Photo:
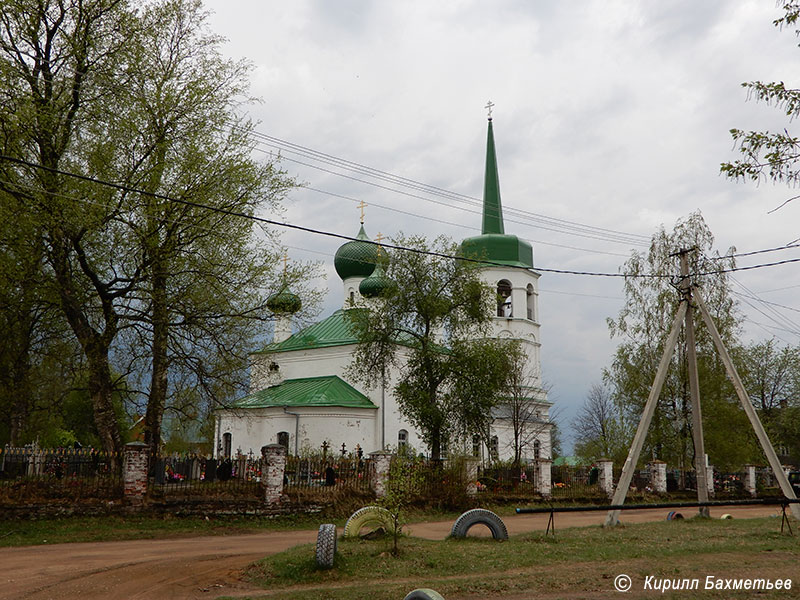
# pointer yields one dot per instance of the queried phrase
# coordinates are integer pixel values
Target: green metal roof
(311, 391)
(376, 284)
(336, 330)
(494, 244)
(500, 248)
(356, 258)
(492, 208)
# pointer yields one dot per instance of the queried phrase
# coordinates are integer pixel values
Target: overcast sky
(608, 114)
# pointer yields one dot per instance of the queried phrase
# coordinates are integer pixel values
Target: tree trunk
(159, 377)
(101, 391)
(95, 346)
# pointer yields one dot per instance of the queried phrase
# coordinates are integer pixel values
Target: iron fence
(328, 473)
(196, 476)
(33, 474)
(506, 480)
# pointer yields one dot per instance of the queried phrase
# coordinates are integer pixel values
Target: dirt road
(208, 567)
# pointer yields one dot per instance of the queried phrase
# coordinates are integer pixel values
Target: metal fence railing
(195, 476)
(31, 474)
(327, 473)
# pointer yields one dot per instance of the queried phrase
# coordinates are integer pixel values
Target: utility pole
(694, 385)
(685, 313)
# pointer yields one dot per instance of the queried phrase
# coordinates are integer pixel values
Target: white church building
(300, 395)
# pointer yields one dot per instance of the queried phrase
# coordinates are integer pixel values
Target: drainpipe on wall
(383, 408)
(296, 426)
(218, 441)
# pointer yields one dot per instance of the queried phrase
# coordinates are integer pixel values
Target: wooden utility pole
(694, 387)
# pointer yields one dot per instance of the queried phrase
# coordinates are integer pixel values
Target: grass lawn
(577, 563)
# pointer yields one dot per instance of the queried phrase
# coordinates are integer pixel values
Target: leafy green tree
(431, 324)
(765, 154)
(771, 376)
(642, 326)
(402, 484)
(157, 290)
(204, 271)
(56, 60)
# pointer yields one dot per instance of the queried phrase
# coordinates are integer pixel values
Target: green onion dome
(376, 284)
(356, 258)
(284, 302)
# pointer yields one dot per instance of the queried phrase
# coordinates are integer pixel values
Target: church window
(504, 308)
(227, 444)
(537, 448)
(476, 446)
(494, 448)
(352, 297)
(402, 438)
(530, 299)
(283, 439)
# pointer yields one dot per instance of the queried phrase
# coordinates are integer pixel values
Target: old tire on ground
(369, 516)
(479, 516)
(423, 594)
(726, 516)
(674, 516)
(326, 546)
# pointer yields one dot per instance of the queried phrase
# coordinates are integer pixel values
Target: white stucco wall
(369, 428)
(255, 428)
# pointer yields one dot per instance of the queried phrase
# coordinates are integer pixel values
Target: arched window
(476, 446)
(494, 448)
(402, 438)
(352, 297)
(536, 449)
(283, 439)
(504, 307)
(227, 444)
(530, 299)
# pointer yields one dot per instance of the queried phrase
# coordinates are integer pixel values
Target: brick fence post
(273, 468)
(658, 476)
(135, 460)
(750, 480)
(544, 477)
(381, 461)
(605, 476)
(471, 475)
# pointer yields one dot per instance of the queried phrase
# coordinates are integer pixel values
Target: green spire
(492, 209)
(494, 244)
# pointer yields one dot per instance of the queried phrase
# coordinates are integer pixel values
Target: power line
(545, 222)
(754, 252)
(349, 238)
(461, 225)
(450, 206)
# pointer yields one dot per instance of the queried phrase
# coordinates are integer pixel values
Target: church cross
(362, 205)
(285, 260)
(489, 106)
(378, 239)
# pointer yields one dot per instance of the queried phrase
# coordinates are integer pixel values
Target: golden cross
(361, 205)
(285, 260)
(378, 239)
(489, 106)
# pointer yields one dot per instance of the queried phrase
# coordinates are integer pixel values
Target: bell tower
(509, 269)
